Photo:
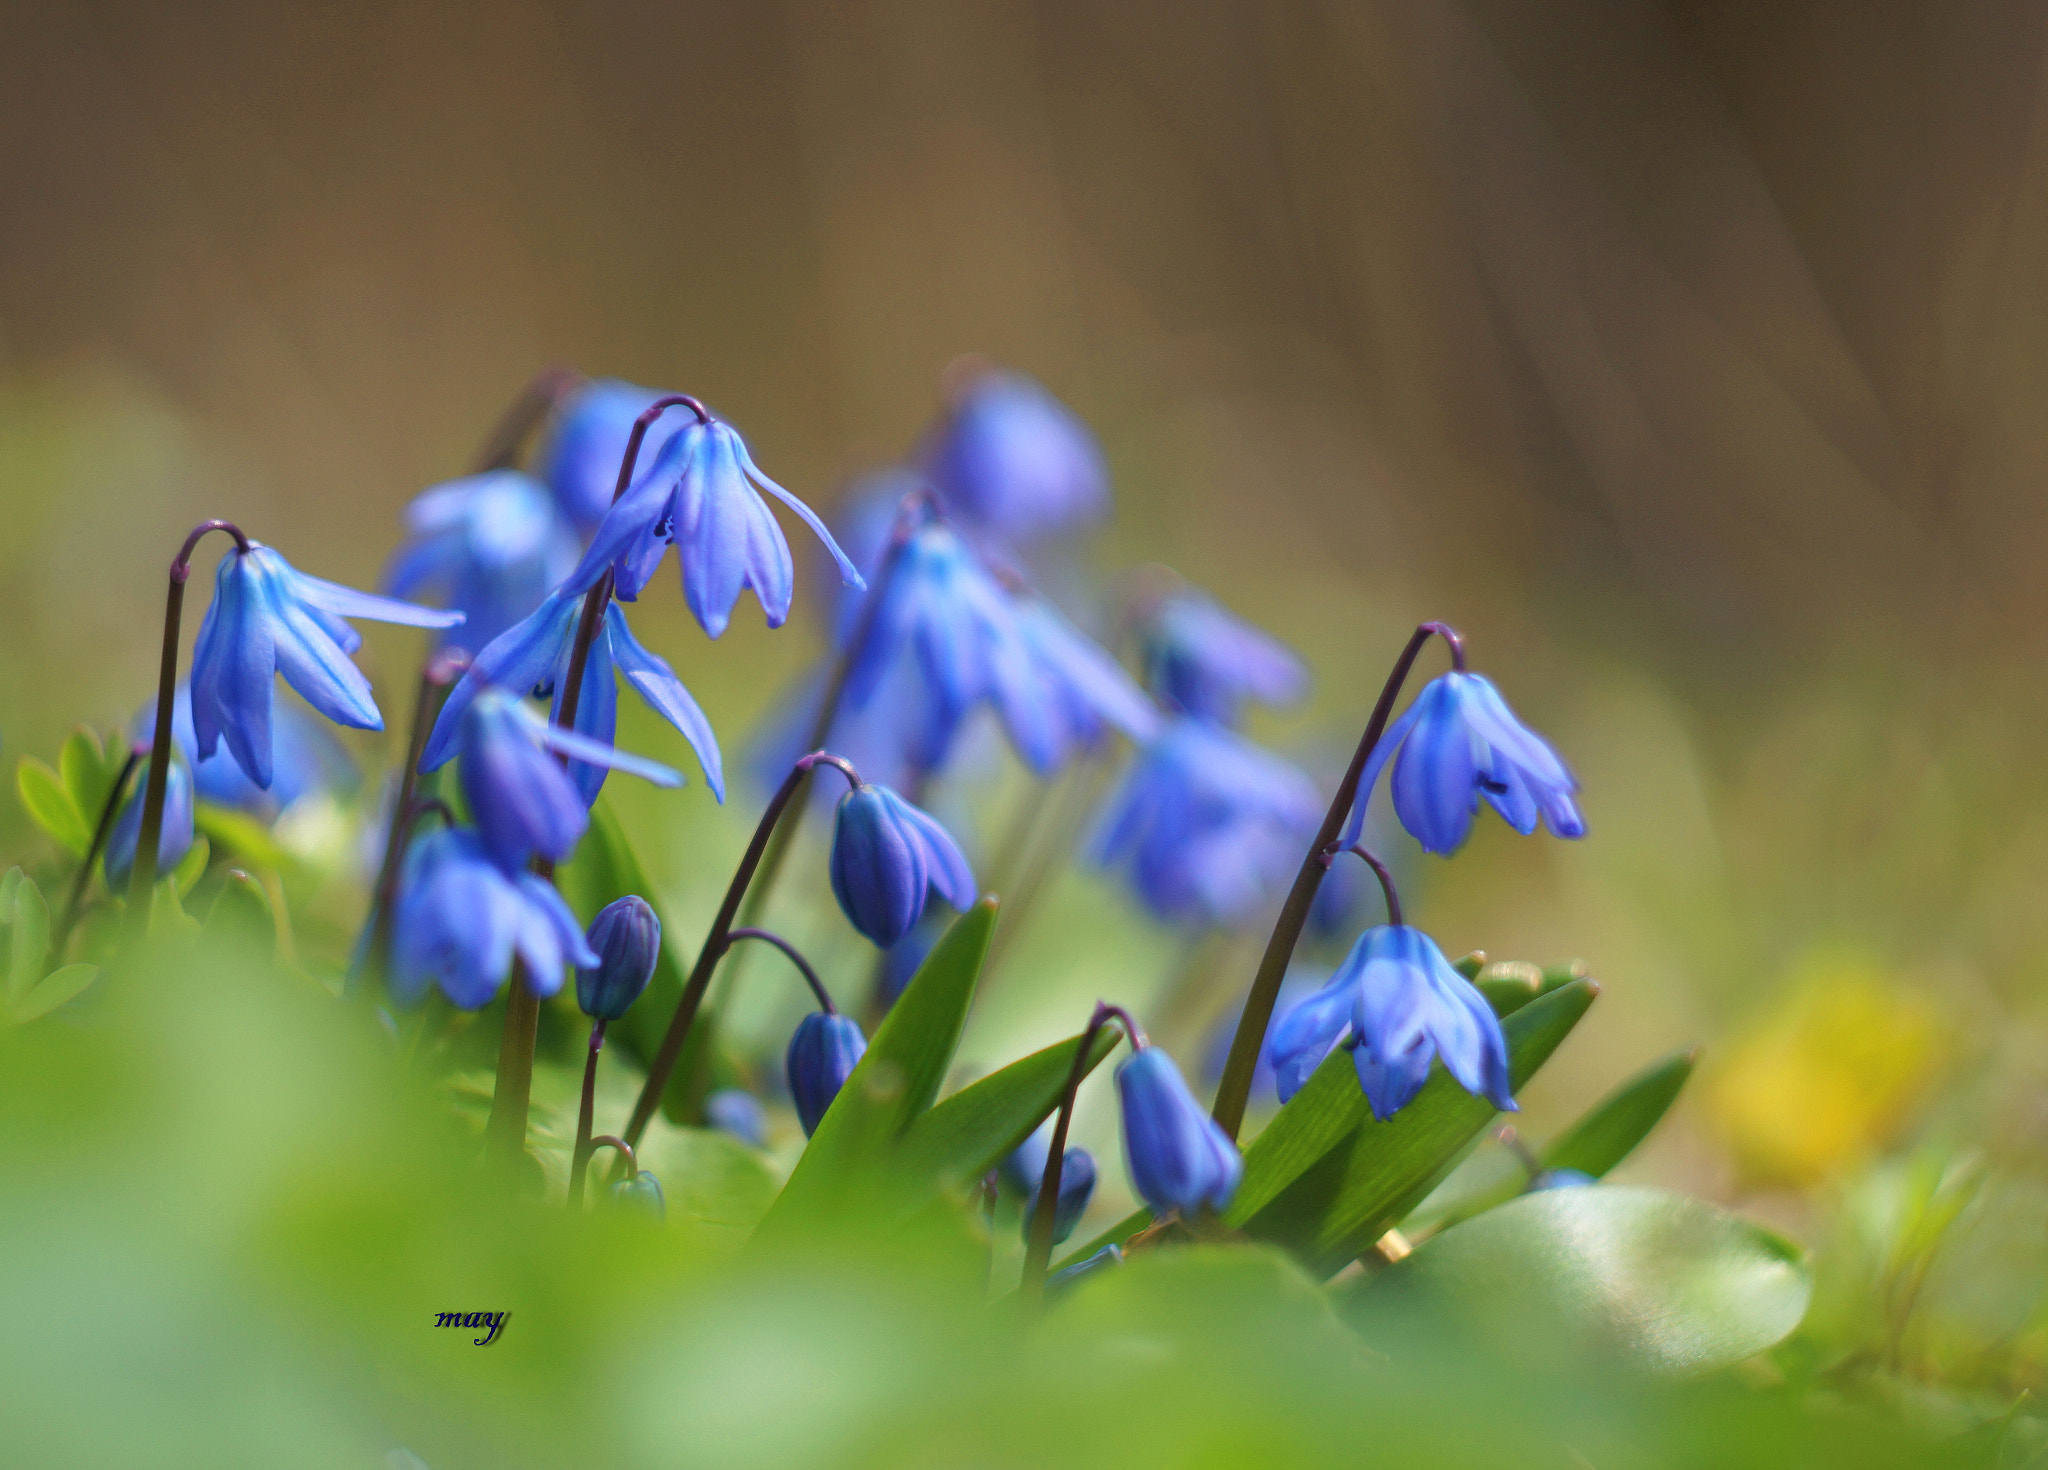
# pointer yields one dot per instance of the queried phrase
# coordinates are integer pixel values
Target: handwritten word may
(493, 1320)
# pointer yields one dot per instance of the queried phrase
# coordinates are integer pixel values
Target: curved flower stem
(514, 1085)
(796, 958)
(716, 942)
(579, 1159)
(535, 403)
(1038, 1245)
(1379, 871)
(92, 852)
(142, 877)
(626, 1154)
(1236, 1086)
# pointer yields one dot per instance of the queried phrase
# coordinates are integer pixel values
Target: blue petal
(1301, 1039)
(665, 693)
(521, 657)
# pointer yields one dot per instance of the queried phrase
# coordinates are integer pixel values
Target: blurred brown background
(1692, 357)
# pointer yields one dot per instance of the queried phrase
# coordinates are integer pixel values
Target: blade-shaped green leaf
(965, 1136)
(88, 776)
(895, 1081)
(1330, 1182)
(42, 792)
(241, 913)
(54, 990)
(192, 866)
(1612, 1128)
(28, 939)
(1675, 1285)
(239, 833)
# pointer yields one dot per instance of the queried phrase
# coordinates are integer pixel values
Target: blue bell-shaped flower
(1205, 661)
(1014, 461)
(174, 839)
(1077, 1187)
(1179, 1158)
(626, 937)
(822, 1055)
(305, 758)
(460, 917)
(887, 857)
(491, 545)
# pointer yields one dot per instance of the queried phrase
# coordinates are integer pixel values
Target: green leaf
(1612, 1128)
(240, 834)
(42, 792)
(1673, 1284)
(895, 1081)
(28, 938)
(192, 866)
(1509, 985)
(1326, 1179)
(965, 1136)
(88, 775)
(241, 913)
(54, 990)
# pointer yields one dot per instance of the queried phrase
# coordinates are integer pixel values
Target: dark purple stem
(580, 1158)
(1380, 871)
(1038, 1247)
(769, 936)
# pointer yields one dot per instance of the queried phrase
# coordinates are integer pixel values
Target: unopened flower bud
(822, 1055)
(626, 936)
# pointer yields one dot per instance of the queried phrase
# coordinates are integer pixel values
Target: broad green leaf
(1330, 1180)
(1509, 985)
(1612, 1128)
(241, 913)
(167, 916)
(11, 880)
(1673, 1284)
(897, 1078)
(192, 866)
(240, 834)
(89, 774)
(42, 792)
(54, 990)
(965, 1136)
(28, 938)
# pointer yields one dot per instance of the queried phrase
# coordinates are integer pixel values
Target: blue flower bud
(1077, 1187)
(1179, 1159)
(822, 1055)
(174, 839)
(1016, 461)
(640, 1195)
(887, 857)
(1560, 1179)
(1207, 662)
(626, 934)
(1110, 1255)
(731, 1110)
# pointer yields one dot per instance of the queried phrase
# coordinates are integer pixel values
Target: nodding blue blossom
(640, 1195)
(1014, 461)
(1077, 1187)
(534, 654)
(305, 758)
(1087, 691)
(174, 838)
(1398, 1003)
(1209, 825)
(460, 917)
(1459, 742)
(267, 618)
(822, 1055)
(1110, 1255)
(522, 800)
(1206, 661)
(888, 857)
(738, 1112)
(491, 545)
(1179, 1158)
(581, 459)
(699, 493)
(626, 937)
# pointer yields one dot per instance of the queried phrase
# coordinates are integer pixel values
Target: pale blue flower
(460, 917)
(1206, 661)
(1013, 460)
(491, 545)
(581, 459)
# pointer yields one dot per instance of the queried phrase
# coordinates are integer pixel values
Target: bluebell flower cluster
(822, 1055)
(1456, 744)
(267, 618)
(1179, 1159)
(1398, 1003)
(174, 837)
(1209, 826)
(888, 858)
(1205, 661)
(626, 938)
(460, 918)
(1012, 460)
(490, 546)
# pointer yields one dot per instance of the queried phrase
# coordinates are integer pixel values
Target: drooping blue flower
(1179, 1158)
(1077, 1187)
(581, 459)
(699, 493)
(640, 1195)
(1206, 661)
(1398, 1003)
(887, 858)
(1210, 827)
(1459, 742)
(738, 1112)
(1013, 460)
(268, 618)
(626, 936)
(1086, 690)
(305, 758)
(522, 800)
(174, 837)
(534, 655)
(460, 917)
(490, 545)
(822, 1055)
